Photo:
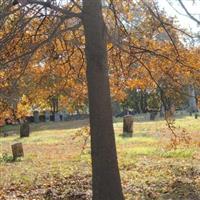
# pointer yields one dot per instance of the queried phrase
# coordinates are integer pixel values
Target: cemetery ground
(56, 164)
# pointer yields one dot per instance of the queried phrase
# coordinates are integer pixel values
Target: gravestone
(36, 116)
(61, 116)
(24, 129)
(8, 133)
(65, 116)
(128, 126)
(5, 134)
(17, 150)
(183, 112)
(47, 116)
(56, 117)
(147, 116)
(153, 116)
(157, 116)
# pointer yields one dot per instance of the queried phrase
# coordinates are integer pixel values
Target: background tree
(42, 41)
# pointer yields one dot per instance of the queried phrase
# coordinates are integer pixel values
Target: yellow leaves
(59, 45)
(118, 94)
(109, 45)
(23, 107)
(58, 68)
(135, 84)
(1, 34)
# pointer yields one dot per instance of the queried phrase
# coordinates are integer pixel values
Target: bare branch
(68, 14)
(188, 13)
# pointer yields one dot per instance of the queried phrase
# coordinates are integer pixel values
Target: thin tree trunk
(192, 99)
(106, 179)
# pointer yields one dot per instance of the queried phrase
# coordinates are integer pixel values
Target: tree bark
(105, 173)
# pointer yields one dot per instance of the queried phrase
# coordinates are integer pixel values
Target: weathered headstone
(61, 116)
(56, 117)
(47, 116)
(181, 113)
(153, 116)
(147, 116)
(36, 116)
(65, 116)
(24, 129)
(7, 133)
(17, 150)
(128, 126)
(157, 117)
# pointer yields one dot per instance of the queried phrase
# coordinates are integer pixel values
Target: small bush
(6, 158)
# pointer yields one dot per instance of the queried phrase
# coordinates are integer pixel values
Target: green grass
(14, 128)
(54, 149)
(131, 153)
(136, 140)
(179, 153)
(189, 123)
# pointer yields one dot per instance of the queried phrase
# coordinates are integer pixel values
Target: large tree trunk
(106, 179)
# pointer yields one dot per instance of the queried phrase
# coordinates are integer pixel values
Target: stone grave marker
(24, 130)
(47, 116)
(57, 117)
(61, 116)
(65, 116)
(36, 116)
(147, 116)
(153, 115)
(17, 150)
(128, 126)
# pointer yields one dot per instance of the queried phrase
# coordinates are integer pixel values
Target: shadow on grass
(46, 126)
(63, 125)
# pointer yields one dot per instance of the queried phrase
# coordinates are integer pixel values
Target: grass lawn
(57, 162)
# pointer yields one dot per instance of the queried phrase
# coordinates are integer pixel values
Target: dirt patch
(183, 191)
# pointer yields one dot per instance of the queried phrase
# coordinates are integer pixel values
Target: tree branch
(68, 14)
(188, 13)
